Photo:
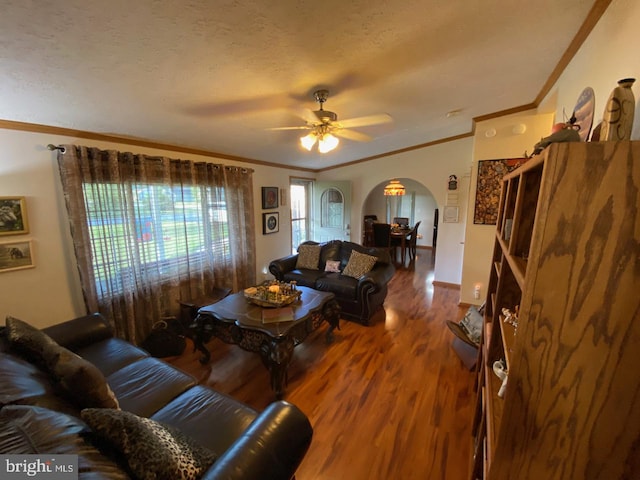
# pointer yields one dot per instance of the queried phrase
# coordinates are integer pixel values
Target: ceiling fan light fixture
(308, 141)
(394, 188)
(321, 123)
(327, 143)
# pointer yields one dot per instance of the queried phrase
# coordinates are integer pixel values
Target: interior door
(331, 218)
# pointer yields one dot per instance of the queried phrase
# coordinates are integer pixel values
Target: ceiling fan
(325, 127)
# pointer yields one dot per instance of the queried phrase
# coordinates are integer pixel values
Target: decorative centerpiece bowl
(272, 294)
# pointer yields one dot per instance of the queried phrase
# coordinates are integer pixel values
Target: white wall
(50, 292)
(505, 144)
(609, 54)
(431, 167)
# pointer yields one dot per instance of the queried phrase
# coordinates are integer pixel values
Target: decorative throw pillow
(308, 257)
(29, 341)
(78, 380)
(153, 450)
(332, 266)
(359, 264)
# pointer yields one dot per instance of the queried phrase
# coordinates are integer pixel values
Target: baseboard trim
(455, 286)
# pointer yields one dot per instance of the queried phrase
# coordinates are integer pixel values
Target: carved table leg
(276, 356)
(200, 337)
(331, 313)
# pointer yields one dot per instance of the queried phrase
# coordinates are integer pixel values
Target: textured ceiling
(216, 75)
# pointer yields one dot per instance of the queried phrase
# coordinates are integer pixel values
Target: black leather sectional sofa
(36, 418)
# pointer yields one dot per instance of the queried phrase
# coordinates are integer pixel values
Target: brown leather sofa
(35, 419)
(358, 298)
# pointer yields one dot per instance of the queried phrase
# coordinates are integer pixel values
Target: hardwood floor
(390, 401)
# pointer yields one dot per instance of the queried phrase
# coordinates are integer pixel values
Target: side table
(189, 308)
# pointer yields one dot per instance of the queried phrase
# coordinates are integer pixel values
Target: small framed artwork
(269, 197)
(16, 256)
(270, 222)
(283, 197)
(13, 216)
(450, 214)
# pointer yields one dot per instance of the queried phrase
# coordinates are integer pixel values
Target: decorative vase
(618, 114)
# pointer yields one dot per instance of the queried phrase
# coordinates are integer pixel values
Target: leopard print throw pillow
(153, 450)
(359, 264)
(308, 257)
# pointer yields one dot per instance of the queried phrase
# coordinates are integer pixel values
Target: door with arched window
(332, 206)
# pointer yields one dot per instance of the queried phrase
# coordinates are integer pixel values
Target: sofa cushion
(24, 383)
(21, 379)
(152, 450)
(78, 380)
(28, 430)
(111, 354)
(145, 386)
(194, 411)
(304, 278)
(308, 257)
(332, 266)
(343, 286)
(359, 264)
(330, 251)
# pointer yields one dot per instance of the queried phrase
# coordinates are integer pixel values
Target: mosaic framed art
(490, 173)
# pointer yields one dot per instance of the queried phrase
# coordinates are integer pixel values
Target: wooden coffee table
(235, 320)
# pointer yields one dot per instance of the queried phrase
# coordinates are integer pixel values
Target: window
(401, 206)
(151, 231)
(171, 230)
(300, 193)
(332, 208)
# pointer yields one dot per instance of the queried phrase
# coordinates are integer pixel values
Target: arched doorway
(418, 204)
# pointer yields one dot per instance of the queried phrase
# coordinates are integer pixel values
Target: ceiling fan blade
(304, 127)
(364, 121)
(239, 106)
(352, 135)
(308, 115)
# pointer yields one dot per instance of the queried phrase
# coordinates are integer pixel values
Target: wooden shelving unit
(566, 251)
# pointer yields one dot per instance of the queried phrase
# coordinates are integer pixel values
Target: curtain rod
(53, 147)
(62, 149)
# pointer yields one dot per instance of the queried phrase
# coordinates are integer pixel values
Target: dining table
(402, 234)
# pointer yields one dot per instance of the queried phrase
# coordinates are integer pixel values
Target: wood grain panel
(572, 406)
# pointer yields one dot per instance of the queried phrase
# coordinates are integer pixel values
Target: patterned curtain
(151, 231)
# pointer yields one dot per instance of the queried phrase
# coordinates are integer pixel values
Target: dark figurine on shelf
(561, 132)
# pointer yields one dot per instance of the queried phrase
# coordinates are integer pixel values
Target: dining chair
(368, 240)
(382, 235)
(413, 241)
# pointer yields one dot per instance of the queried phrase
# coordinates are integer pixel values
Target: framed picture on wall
(490, 173)
(16, 256)
(269, 197)
(13, 216)
(270, 222)
(450, 214)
